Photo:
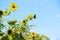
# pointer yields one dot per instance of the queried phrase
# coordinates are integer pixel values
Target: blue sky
(48, 15)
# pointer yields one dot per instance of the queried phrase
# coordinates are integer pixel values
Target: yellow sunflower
(24, 21)
(6, 12)
(33, 34)
(1, 13)
(13, 6)
(30, 16)
(9, 32)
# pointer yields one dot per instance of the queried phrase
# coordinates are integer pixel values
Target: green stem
(33, 38)
(0, 29)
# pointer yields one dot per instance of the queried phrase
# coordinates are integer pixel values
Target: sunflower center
(13, 6)
(33, 34)
(1, 12)
(5, 11)
(24, 21)
(9, 32)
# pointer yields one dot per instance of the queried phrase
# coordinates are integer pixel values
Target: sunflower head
(24, 21)
(30, 16)
(6, 12)
(13, 6)
(1, 12)
(9, 32)
(33, 34)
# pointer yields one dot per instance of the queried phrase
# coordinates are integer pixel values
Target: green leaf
(12, 22)
(5, 38)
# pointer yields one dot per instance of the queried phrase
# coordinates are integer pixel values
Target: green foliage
(20, 31)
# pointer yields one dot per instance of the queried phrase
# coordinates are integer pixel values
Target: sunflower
(30, 16)
(33, 34)
(13, 6)
(9, 32)
(6, 12)
(1, 13)
(24, 21)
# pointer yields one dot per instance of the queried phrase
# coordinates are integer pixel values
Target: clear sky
(48, 15)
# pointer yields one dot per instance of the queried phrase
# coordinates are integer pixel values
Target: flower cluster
(18, 31)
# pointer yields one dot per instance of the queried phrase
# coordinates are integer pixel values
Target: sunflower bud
(30, 16)
(34, 16)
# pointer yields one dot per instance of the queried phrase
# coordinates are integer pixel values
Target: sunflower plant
(18, 31)
(13, 6)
